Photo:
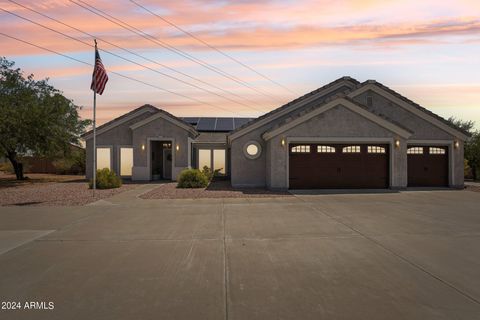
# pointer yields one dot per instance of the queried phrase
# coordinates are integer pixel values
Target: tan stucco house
(345, 134)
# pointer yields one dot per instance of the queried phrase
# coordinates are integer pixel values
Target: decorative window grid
(434, 150)
(415, 150)
(376, 149)
(351, 149)
(301, 149)
(325, 149)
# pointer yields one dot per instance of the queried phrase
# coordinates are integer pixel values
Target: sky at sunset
(427, 50)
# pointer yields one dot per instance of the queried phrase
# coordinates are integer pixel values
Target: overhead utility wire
(123, 58)
(141, 56)
(211, 46)
(110, 71)
(116, 55)
(169, 47)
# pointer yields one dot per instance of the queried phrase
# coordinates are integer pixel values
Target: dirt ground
(216, 189)
(51, 190)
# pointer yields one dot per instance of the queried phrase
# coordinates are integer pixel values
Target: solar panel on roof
(191, 120)
(238, 122)
(206, 124)
(224, 124)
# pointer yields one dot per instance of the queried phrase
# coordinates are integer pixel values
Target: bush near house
(192, 178)
(210, 174)
(106, 179)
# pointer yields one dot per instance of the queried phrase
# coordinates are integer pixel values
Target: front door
(167, 164)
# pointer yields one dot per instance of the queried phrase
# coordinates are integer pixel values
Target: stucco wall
(338, 122)
(159, 129)
(252, 173)
(120, 135)
(458, 169)
(247, 172)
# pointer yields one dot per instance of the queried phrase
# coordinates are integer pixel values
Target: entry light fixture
(456, 144)
(283, 142)
(397, 143)
(177, 147)
(143, 147)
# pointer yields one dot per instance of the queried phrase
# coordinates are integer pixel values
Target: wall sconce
(177, 147)
(283, 142)
(397, 143)
(456, 144)
(143, 147)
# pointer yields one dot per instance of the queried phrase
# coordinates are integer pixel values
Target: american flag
(99, 77)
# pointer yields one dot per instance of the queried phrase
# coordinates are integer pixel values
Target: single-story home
(345, 134)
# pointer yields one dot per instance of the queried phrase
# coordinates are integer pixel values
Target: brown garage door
(314, 166)
(427, 166)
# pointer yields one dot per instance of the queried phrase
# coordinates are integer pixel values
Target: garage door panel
(337, 169)
(427, 167)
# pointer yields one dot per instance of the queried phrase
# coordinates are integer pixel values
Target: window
(103, 158)
(376, 149)
(126, 161)
(219, 160)
(369, 101)
(433, 150)
(325, 149)
(252, 150)
(415, 150)
(204, 158)
(301, 149)
(351, 149)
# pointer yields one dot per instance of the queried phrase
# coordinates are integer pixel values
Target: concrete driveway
(407, 255)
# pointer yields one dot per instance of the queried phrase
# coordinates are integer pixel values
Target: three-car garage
(340, 166)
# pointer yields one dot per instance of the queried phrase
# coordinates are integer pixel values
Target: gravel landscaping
(216, 189)
(51, 190)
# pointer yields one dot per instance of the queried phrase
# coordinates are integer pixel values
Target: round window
(252, 149)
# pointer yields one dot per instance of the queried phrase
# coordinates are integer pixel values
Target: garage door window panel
(300, 149)
(351, 149)
(325, 149)
(415, 150)
(435, 150)
(376, 149)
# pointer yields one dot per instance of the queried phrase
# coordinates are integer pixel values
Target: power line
(147, 59)
(111, 72)
(211, 47)
(123, 58)
(167, 46)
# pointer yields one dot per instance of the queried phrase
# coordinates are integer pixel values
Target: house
(345, 134)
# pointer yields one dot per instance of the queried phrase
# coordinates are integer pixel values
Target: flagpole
(94, 124)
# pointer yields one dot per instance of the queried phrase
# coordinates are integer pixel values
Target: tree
(472, 154)
(35, 118)
(472, 147)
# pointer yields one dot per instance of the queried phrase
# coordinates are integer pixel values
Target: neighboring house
(345, 134)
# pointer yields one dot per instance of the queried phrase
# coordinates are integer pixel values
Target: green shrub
(106, 179)
(192, 178)
(211, 174)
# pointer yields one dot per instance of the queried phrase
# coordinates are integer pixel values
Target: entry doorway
(161, 160)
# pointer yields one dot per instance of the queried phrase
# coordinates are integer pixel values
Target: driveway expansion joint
(404, 259)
